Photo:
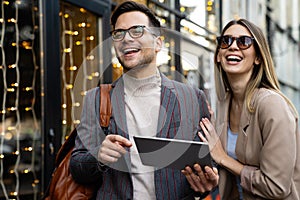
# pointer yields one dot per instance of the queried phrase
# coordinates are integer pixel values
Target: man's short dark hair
(130, 6)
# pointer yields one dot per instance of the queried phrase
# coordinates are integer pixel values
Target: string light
(71, 28)
(10, 131)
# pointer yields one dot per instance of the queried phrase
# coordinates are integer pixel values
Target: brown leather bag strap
(105, 105)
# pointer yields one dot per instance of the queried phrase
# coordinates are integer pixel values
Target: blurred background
(53, 51)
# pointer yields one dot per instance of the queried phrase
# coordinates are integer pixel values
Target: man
(144, 103)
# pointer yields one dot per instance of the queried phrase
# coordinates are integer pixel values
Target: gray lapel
(168, 99)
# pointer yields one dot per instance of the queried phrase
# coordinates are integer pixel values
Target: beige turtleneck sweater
(142, 102)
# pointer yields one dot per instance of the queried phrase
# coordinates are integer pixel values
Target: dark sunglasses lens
(244, 42)
(224, 42)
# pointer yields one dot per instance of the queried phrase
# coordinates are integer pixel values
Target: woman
(255, 139)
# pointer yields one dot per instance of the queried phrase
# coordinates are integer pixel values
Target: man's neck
(139, 73)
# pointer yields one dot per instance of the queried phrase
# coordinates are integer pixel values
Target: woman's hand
(211, 137)
(199, 180)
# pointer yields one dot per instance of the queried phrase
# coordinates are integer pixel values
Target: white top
(142, 102)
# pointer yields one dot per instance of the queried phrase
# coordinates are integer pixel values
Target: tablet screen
(172, 153)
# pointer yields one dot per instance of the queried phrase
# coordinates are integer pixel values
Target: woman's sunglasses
(243, 42)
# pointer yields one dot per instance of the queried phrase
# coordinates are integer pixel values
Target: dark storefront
(52, 53)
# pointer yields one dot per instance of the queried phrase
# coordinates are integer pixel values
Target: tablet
(172, 153)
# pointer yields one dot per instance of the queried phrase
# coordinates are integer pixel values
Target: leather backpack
(62, 186)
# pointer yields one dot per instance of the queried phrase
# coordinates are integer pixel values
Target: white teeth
(130, 50)
(234, 58)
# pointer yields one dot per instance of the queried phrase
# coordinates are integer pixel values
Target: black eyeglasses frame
(124, 31)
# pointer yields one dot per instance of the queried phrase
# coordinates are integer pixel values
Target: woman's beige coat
(268, 145)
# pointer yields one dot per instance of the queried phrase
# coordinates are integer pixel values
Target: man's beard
(142, 63)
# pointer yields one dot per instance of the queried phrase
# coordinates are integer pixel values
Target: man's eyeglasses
(243, 42)
(134, 32)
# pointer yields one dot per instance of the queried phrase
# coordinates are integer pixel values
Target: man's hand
(201, 181)
(112, 148)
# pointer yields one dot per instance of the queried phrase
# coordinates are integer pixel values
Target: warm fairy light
(66, 16)
(8, 136)
(6, 2)
(64, 106)
(69, 86)
(16, 153)
(28, 89)
(95, 74)
(78, 43)
(77, 104)
(1, 20)
(11, 128)
(14, 84)
(12, 66)
(67, 50)
(14, 193)
(1, 156)
(26, 45)
(90, 38)
(64, 122)
(13, 20)
(28, 149)
(73, 68)
(82, 25)
(90, 57)
(26, 171)
(28, 109)
(10, 89)
(76, 121)
(82, 10)
(69, 32)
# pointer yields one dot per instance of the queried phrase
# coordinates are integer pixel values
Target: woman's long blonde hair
(264, 74)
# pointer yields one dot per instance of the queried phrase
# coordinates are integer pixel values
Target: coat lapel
(119, 125)
(168, 99)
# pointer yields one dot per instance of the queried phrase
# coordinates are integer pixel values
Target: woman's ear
(218, 57)
(257, 61)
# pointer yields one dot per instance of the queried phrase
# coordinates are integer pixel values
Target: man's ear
(158, 45)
